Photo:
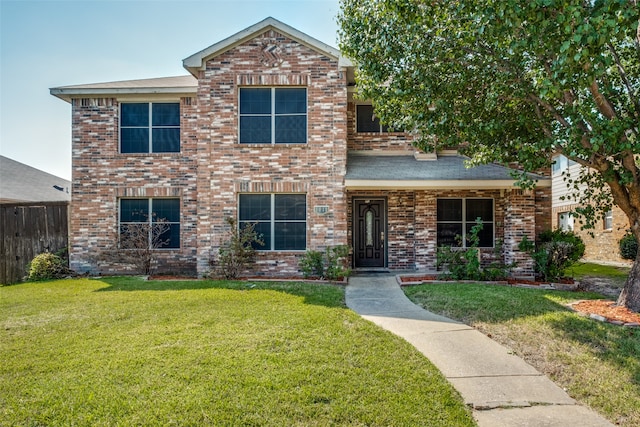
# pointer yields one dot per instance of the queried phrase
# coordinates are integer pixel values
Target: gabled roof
(197, 61)
(365, 171)
(162, 85)
(23, 183)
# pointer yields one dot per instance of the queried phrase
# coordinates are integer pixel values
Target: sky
(51, 43)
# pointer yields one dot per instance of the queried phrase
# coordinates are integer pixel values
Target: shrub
(330, 264)
(312, 264)
(555, 252)
(47, 266)
(237, 252)
(628, 246)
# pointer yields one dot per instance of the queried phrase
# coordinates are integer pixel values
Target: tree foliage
(510, 81)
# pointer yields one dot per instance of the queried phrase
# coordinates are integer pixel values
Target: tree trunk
(630, 295)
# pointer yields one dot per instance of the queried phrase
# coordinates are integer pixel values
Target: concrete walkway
(502, 389)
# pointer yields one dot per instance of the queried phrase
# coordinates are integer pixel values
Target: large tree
(512, 81)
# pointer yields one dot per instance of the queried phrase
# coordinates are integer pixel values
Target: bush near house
(47, 266)
(330, 264)
(628, 246)
(554, 252)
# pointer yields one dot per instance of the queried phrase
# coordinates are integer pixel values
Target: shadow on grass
(611, 343)
(324, 294)
(471, 303)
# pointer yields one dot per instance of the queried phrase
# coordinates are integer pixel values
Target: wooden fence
(27, 230)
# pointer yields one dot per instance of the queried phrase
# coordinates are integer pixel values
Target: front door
(369, 227)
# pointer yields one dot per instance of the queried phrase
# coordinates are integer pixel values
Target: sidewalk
(502, 389)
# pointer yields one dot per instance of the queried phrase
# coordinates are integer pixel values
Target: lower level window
(281, 219)
(565, 221)
(456, 217)
(608, 220)
(150, 223)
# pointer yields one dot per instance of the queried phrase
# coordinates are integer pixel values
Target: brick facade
(601, 244)
(212, 169)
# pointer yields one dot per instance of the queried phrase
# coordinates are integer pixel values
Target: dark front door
(369, 227)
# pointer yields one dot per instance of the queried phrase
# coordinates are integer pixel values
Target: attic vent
(57, 187)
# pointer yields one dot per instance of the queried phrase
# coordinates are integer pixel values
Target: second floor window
(150, 127)
(367, 120)
(276, 115)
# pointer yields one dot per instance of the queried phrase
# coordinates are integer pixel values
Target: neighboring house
(267, 129)
(20, 183)
(33, 216)
(602, 242)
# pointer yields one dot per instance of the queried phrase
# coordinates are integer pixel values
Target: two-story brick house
(267, 128)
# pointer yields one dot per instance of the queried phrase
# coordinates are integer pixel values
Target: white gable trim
(197, 61)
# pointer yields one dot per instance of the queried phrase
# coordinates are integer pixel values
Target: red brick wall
(316, 168)
(412, 225)
(212, 168)
(392, 141)
(101, 175)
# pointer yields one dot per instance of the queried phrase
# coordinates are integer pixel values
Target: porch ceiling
(366, 171)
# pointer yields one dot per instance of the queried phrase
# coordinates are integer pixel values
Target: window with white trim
(565, 221)
(560, 164)
(280, 219)
(154, 220)
(149, 127)
(608, 220)
(366, 120)
(455, 217)
(273, 115)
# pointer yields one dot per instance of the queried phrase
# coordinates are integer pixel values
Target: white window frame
(565, 221)
(608, 220)
(273, 114)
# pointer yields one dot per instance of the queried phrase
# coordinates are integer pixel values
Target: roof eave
(67, 94)
(493, 184)
(197, 61)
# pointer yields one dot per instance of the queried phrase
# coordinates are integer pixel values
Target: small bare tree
(138, 244)
(237, 251)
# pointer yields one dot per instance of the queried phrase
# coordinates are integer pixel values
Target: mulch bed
(607, 310)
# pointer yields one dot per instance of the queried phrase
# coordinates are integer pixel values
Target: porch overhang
(405, 172)
(355, 184)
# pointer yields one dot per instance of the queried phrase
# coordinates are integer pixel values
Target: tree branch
(550, 108)
(634, 101)
(602, 102)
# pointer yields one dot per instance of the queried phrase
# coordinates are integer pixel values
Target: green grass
(587, 269)
(597, 363)
(122, 351)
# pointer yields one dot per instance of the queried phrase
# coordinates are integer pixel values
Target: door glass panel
(369, 227)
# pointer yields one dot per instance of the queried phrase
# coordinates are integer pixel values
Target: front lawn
(123, 351)
(589, 269)
(597, 363)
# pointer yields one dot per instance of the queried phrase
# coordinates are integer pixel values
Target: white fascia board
(196, 62)
(367, 184)
(70, 93)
